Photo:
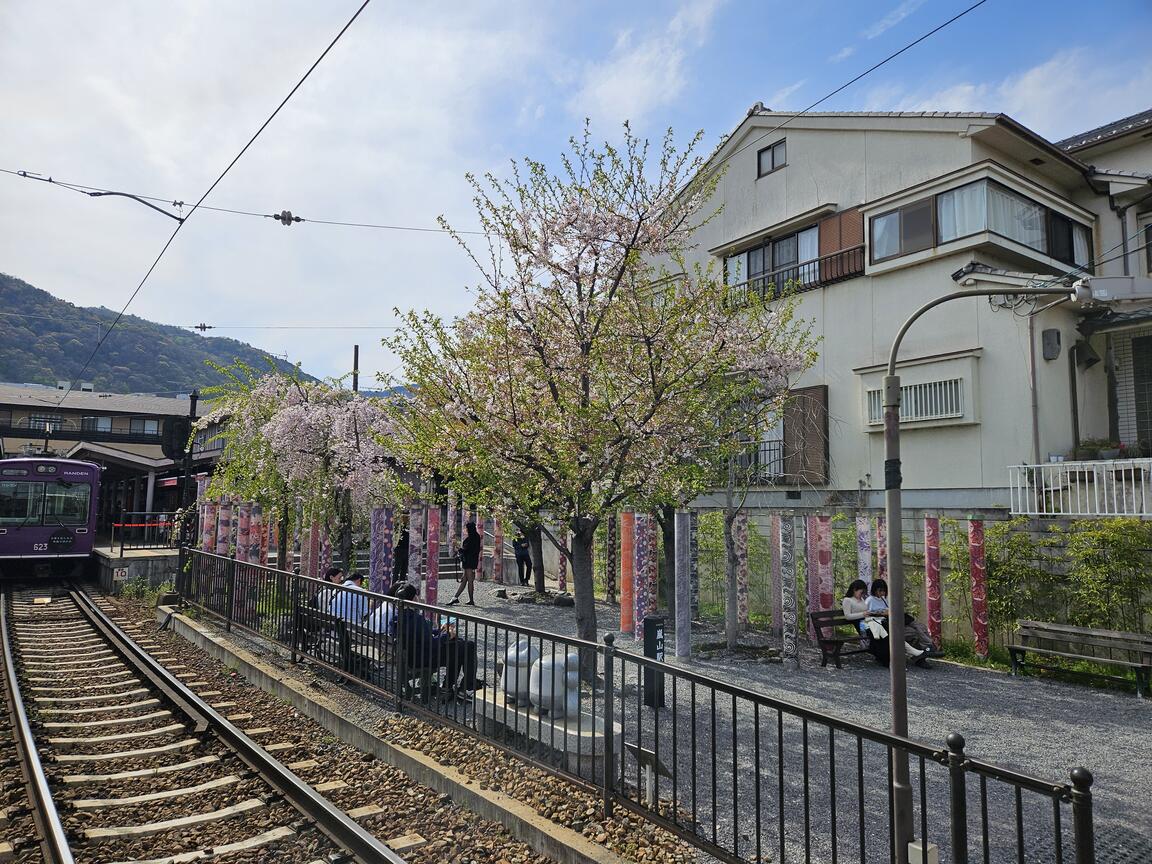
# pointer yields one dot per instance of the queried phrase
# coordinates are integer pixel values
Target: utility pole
(355, 368)
(192, 400)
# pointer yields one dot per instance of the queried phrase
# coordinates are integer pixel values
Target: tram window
(20, 502)
(67, 504)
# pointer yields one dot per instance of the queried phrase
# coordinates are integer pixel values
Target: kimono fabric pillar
(224, 528)
(208, 526)
(497, 551)
(864, 548)
(694, 562)
(811, 571)
(324, 559)
(774, 574)
(683, 582)
(653, 565)
(610, 558)
(433, 579)
(562, 565)
(201, 487)
(259, 536)
(452, 521)
(415, 543)
(243, 531)
(932, 577)
(484, 526)
(881, 548)
(790, 647)
(979, 585)
(639, 571)
(627, 562)
(380, 549)
(740, 536)
(824, 560)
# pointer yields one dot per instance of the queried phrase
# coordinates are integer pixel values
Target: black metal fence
(141, 530)
(742, 776)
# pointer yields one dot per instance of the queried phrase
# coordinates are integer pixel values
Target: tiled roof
(47, 397)
(1108, 130)
(761, 111)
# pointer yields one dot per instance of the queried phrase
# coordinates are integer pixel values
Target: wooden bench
(1086, 644)
(832, 642)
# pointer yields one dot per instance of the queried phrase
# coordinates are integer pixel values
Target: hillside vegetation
(44, 340)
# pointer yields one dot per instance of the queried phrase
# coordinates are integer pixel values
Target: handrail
(818, 266)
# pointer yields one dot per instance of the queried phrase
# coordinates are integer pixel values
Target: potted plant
(1085, 451)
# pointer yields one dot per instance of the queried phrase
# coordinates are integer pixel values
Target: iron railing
(144, 530)
(743, 776)
(825, 270)
(1108, 487)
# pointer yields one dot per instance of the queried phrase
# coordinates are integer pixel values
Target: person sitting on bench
(872, 632)
(351, 606)
(426, 646)
(878, 609)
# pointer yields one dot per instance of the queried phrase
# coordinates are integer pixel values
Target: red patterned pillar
(627, 567)
(824, 560)
(932, 577)
(881, 548)
(979, 585)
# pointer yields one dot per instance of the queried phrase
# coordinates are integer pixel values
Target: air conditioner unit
(62, 385)
(85, 386)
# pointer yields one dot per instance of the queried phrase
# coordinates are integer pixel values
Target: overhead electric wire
(215, 183)
(90, 191)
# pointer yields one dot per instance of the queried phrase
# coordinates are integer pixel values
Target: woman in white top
(878, 607)
(872, 632)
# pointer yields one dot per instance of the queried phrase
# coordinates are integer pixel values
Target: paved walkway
(1040, 727)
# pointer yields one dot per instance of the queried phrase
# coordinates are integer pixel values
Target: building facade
(871, 215)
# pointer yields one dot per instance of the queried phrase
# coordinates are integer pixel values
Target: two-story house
(870, 215)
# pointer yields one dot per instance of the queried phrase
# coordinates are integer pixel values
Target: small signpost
(654, 649)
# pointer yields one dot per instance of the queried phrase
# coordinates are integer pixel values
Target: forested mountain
(44, 340)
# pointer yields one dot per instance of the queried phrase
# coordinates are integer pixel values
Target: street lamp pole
(898, 670)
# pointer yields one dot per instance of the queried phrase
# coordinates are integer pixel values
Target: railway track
(123, 762)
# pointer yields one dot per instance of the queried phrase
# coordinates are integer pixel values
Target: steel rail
(53, 839)
(332, 821)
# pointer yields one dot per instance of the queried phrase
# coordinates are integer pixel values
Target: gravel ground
(1038, 726)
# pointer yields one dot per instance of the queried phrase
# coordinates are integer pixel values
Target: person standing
(469, 561)
(400, 559)
(523, 554)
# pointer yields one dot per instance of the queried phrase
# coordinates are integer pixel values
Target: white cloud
(843, 54)
(779, 99)
(1068, 93)
(892, 19)
(643, 73)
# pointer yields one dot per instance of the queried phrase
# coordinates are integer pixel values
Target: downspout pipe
(1122, 214)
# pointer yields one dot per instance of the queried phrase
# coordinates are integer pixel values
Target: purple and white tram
(47, 515)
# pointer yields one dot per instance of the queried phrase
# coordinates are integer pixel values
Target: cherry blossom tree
(290, 443)
(596, 366)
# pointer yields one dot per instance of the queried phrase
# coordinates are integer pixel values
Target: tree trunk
(583, 586)
(666, 518)
(283, 562)
(536, 545)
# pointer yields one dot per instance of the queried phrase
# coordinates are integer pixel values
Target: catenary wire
(215, 183)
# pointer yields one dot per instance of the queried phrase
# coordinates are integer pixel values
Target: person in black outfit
(400, 558)
(441, 647)
(469, 561)
(523, 558)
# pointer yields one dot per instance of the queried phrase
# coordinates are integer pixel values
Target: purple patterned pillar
(380, 549)
(640, 571)
(497, 552)
(415, 543)
(774, 584)
(208, 516)
(824, 560)
(682, 579)
(452, 523)
(694, 562)
(812, 576)
(864, 548)
(790, 652)
(740, 538)
(243, 531)
(610, 553)
(433, 581)
(224, 528)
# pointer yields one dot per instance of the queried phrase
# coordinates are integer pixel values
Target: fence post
(181, 563)
(1082, 829)
(958, 803)
(231, 593)
(122, 521)
(609, 713)
(399, 654)
(297, 630)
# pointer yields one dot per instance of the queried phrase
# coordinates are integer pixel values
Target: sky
(157, 98)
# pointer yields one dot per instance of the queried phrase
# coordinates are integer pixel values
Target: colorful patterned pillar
(324, 560)
(201, 486)
(811, 570)
(774, 589)
(653, 565)
(682, 579)
(979, 585)
(562, 573)
(694, 562)
(640, 571)
(208, 517)
(740, 538)
(433, 579)
(243, 531)
(610, 559)
(415, 543)
(224, 528)
(790, 647)
(259, 553)
(497, 552)
(864, 548)
(627, 563)
(484, 526)
(380, 549)
(932, 577)
(452, 521)
(824, 560)
(881, 548)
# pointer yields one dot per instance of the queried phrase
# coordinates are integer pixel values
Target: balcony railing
(1108, 487)
(825, 270)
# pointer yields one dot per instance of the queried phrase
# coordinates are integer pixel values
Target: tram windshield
(37, 503)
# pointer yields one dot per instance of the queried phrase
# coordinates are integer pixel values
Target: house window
(973, 208)
(145, 426)
(5, 416)
(96, 424)
(932, 400)
(770, 158)
(1148, 248)
(791, 258)
(45, 422)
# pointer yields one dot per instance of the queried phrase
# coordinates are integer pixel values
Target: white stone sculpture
(555, 684)
(514, 680)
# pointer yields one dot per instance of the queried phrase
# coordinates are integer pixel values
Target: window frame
(143, 421)
(1147, 220)
(93, 423)
(768, 249)
(1048, 214)
(771, 150)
